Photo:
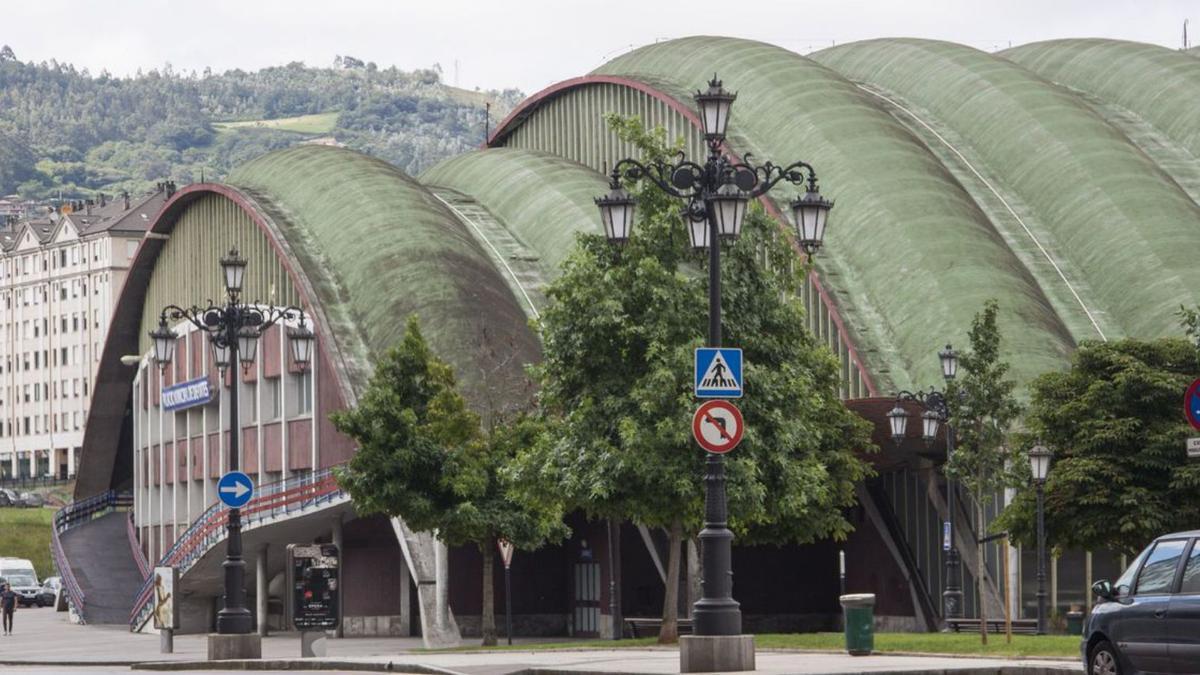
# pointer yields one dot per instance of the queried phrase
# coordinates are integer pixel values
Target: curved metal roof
(543, 199)
(379, 247)
(911, 254)
(1123, 225)
(1159, 85)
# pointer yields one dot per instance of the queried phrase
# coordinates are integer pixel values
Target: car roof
(1180, 535)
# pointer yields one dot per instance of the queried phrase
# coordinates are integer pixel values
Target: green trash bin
(1075, 621)
(858, 613)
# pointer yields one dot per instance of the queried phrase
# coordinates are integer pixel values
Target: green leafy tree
(423, 457)
(1120, 475)
(616, 390)
(983, 411)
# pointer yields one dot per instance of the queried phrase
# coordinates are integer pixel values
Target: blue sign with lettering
(235, 489)
(718, 372)
(188, 394)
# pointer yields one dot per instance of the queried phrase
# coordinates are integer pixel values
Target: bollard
(166, 641)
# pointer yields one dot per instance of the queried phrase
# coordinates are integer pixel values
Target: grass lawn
(25, 533)
(315, 124)
(929, 643)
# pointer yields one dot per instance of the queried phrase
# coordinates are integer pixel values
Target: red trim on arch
(530, 105)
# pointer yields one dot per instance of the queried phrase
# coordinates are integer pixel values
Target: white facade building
(59, 280)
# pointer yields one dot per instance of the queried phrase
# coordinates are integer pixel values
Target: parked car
(21, 578)
(33, 500)
(11, 496)
(1148, 620)
(5, 500)
(50, 586)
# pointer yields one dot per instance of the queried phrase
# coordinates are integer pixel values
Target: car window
(1191, 573)
(1124, 584)
(1159, 571)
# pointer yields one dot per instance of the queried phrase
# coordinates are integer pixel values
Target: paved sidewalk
(46, 637)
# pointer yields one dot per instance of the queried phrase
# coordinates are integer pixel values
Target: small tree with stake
(423, 457)
(984, 411)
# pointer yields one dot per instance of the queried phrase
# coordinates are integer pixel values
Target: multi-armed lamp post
(233, 331)
(937, 412)
(716, 194)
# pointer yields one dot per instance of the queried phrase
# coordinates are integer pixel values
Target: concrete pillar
(441, 580)
(405, 599)
(262, 594)
(337, 541)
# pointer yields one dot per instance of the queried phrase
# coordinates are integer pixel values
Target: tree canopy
(1120, 475)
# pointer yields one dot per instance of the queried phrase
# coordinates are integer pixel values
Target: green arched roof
(911, 255)
(1119, 220)
(378, 247)
(543, 199)
(1160, 85)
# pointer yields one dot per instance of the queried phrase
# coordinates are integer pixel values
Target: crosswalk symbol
(718, 373)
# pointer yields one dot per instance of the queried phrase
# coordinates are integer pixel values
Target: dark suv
(1148, 621)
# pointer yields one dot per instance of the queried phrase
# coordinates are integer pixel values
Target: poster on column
(166, 580)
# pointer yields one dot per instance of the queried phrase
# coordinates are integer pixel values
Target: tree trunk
(489, 596)
(669, 634)
(981, 581)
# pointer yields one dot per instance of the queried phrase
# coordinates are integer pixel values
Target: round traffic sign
(235, 489)
(717, 426)
(1191, 404)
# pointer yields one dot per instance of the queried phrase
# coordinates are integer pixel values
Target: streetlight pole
(716, 196)
(937, 410)
(1039, 463)
(233, 330)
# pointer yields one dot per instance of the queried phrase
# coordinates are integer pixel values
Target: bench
(646, 627)
(1019, 626)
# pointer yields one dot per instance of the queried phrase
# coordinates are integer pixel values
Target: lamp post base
(952, 603)
(716, 653)
(222, 647)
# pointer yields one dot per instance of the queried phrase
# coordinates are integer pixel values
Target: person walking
(8, 605)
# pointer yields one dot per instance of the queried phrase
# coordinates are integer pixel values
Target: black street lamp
(1039, 463)
(716, 195)
(233, 331)
(937, 411)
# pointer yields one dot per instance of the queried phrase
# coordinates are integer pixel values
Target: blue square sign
(718, 372)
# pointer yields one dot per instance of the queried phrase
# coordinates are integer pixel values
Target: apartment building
(59, 280)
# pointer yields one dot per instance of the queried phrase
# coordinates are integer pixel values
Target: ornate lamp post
(233, 330)
(1039, 463)
(716, 194)
(937, 410)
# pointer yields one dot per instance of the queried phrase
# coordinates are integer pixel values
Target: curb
(65, 664)
(944, 655)
(294, 664)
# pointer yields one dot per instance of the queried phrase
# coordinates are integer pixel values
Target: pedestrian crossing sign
(718, 372)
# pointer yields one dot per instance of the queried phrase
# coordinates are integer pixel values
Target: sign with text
(1193, 448)
(188, 394)
(313, 586)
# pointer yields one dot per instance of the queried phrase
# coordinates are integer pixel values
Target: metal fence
(296, 494)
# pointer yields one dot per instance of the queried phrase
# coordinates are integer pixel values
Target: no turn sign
(717, 426)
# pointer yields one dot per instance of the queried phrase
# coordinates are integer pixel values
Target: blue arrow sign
(235, 489)
(718, 372)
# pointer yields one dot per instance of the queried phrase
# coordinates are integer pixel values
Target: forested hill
(67, 130)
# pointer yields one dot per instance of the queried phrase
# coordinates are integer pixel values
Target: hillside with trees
(67, 131)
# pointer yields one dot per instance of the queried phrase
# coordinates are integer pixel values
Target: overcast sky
(530, 43)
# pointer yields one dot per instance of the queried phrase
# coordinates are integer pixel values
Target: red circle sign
(1191, 404)
(717, 426)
